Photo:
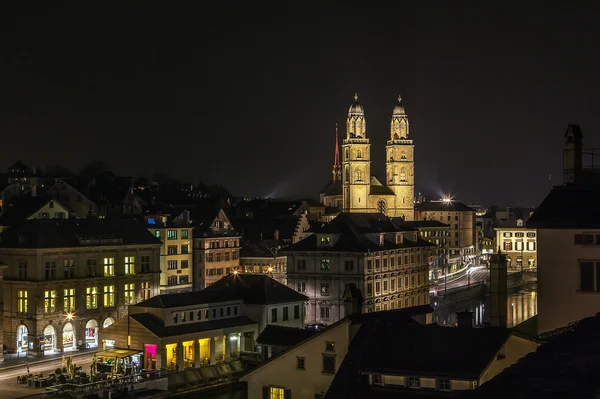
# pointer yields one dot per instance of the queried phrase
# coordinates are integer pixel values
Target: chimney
(34, 190)
(498, 290)
(276, 234)
(465, 319)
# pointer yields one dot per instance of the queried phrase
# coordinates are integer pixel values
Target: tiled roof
(413, 349)
(380, 190)
(419, 224)
(156, 326)
(567, 207)
(350, 229)
(442, 206)
(20, 166)
(257, 229)
(256, 289)
(257, 249)
(283, 336)
(332, 188)
(22, 208)
(226, 294)
(403, 314)
(565, 367)
(56, 233)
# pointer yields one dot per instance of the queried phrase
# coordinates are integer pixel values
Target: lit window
(22, 301)
(49, 301)
(129, 265)
(145, 291)
(184, 234)
(276, 393)
(109, 296)
(129, 293)
(69, 299)
(91, 298)
(109, 266)
(414, 382)
(325, 264)
(171, 234)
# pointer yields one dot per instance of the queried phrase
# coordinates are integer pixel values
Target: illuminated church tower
(356, 161)
(400, 164)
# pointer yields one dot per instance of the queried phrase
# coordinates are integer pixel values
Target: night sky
(247, 95)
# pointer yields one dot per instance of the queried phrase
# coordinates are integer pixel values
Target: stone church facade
(353, 189)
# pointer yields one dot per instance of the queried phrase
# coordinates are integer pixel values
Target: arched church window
(381, 206)
(403, 156)
(358, 175)
(359, 154)
(402, 175)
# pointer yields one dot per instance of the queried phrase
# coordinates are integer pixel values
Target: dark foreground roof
(420, 224)
(256, 289)
(156, 326)
(76, 233)
(423, 350)
(283, 336)
(22, 208)
(568, 207)
(565, 367)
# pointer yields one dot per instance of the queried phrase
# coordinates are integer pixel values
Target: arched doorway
(108, 322)
(49, 341)
(91, 334)
(22, 338)
(68, 337)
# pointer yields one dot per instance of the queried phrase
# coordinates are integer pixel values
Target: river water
(521, 305)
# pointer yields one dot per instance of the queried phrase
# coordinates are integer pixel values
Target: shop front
(48, 340)
(22, 338)
(68, 337)
(91, 334)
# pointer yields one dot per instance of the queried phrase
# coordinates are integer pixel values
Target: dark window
(174, 317)
(228, 311)
(285, 314)
(191, 316)
(221, 312)
(214, 313)
(235, 310)
(444, 385)
(330, 346)
(274, 315)
(588, 276)
(296, 312)
(300, 363)
(414, 382)
(329, 364)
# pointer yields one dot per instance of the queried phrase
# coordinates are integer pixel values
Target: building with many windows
(176, 272)
(216, 246)
(65, 280)
(437, 234)
(462, 242)
(386, 262)
(518, 243)
(263, 256)
(207, 327)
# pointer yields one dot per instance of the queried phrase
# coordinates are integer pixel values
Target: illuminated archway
(108, 322)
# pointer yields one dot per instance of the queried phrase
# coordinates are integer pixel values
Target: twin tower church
(353, 189)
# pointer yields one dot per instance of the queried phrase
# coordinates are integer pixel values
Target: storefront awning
(119, 353)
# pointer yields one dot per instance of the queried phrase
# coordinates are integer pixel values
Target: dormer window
(381, 239)
(519, 222)
(325, 240)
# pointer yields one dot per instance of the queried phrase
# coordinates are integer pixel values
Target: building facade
(386, 262)
(66, 280)
(263, 257)
(207, 327)
(356, 191)
(176, 272)
(518, 243)
(216, 250)
(462, 243)
(438, 235)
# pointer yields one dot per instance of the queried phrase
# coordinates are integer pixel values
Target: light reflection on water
(521, 305)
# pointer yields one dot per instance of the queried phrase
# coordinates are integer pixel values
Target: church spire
(337, 168)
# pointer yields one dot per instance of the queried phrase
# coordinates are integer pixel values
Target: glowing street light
(70, 316)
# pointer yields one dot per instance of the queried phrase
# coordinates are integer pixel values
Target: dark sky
(247, 94)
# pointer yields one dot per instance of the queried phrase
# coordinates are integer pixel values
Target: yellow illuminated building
(176, 271)
(358, 191)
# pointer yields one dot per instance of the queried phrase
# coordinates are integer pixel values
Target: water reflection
(521, 305)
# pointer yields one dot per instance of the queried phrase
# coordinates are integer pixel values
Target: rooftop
(157, 327)
(568, 207)
(283, 336)
(443, 206)
(565, 367)
(23, 207)
(420, 224)
(58, 233)
(422, 350)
